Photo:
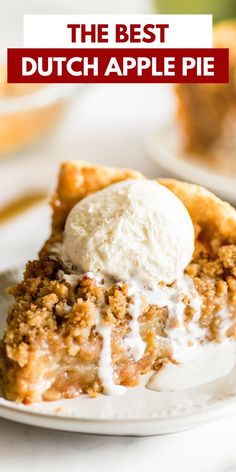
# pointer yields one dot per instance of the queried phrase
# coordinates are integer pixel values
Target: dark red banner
(118, 65)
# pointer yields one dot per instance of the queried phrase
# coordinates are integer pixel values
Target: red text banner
(35, 65)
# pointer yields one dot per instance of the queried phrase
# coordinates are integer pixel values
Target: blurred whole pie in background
(28, 112)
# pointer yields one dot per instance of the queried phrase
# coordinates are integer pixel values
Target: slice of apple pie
(206, 112)
(135, 274)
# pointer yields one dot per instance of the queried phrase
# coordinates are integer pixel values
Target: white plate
(139, 412)
(164, 148)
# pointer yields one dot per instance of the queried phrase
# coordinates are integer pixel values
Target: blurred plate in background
(164, 148)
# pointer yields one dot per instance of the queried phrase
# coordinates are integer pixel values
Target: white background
(185, 31)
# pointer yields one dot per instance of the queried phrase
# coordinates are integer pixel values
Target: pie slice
(72, 331)
(207, 112)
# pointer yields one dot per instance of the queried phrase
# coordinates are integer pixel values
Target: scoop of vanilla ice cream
(132, 230)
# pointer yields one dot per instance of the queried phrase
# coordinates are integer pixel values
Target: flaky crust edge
(77, 179)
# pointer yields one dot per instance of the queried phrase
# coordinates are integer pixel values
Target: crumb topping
(50, 312)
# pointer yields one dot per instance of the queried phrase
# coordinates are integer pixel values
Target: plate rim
(219, 405)
(127, 427)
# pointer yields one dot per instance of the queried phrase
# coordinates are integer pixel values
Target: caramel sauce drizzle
(21, 204)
